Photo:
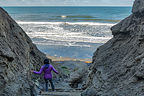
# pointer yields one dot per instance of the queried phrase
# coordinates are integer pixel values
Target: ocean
(74, 32)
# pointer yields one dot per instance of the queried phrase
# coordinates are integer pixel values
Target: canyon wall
(18, 55)
(118, 65)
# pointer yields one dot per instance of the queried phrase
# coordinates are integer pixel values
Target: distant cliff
(17, 56)
(118, 65)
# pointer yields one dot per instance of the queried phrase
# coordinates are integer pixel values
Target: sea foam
(70, 23)
(67, 33)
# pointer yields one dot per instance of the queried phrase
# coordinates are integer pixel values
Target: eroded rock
(18, 55)
(118, 65)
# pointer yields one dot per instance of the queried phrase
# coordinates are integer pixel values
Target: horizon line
(67, 6)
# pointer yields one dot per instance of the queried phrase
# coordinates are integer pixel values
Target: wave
(62, 37)
(69, 23)
(62, 44)
(67, 33)
(76, 16)
(70, 41)
(106, 20)
(83, 18)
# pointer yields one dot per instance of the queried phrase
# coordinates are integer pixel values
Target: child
(47, 68)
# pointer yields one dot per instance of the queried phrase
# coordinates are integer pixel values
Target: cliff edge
(118, 65)
(17, 56)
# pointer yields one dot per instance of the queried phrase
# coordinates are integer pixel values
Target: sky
(66, 2)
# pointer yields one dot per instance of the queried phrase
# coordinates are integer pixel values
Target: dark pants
(52, 85)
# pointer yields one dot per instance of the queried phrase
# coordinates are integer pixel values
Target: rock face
(118, 65)
(17, 56)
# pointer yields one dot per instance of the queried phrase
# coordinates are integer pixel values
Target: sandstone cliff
(17, 56)
(118, 65)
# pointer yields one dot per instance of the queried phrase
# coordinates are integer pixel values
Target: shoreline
(62, 59)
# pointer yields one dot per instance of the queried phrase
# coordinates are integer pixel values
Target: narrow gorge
(117, 67)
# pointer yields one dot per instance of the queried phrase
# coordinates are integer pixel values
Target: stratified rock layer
(17, 56)
(118, 65)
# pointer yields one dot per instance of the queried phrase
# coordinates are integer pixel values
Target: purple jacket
(47, 71)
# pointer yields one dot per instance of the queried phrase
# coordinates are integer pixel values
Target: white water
(67, 33)
(70, 23)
